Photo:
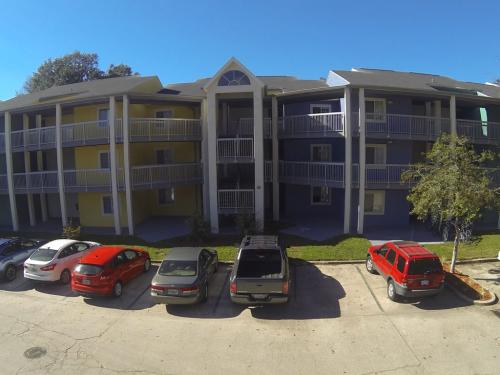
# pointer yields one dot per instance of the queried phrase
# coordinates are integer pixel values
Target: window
(107, 205)
(320, 108)
(28, 244)
(130, 254)
(376, 154)
(320, 195)
(70, 250)
(484, 120)
(102, 116)
(119, 260)
(164, 156)
(166, 196)
(203, 262)
(104, 160)
(166, 113)
(382, 251)
(233, 78)
(374, 202)
(391, 257)
(375, 109)
(81, 246)
(401, 264)
(321, 153)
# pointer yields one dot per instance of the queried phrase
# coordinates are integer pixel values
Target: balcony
(268, 171)
(234, 150)
(484, 132)
(91, 180)
(234, 201)
(164, 129)
(312, 126)
(243, 128)
(383, 176)
(312, 173)
(163, 176)
(33, 139)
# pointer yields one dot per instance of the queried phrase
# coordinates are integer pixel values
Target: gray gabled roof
(391, 79)
(84, 90)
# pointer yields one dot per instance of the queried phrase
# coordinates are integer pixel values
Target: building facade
(113, 153)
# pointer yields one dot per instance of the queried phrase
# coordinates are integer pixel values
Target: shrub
(71, 231)
(200, 228)
(246, 224)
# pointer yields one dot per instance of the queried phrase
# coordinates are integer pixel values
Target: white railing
(312, 125)
(38, 182)
(85, 133)
(3, 183)
(148, 129)
(235, 149)
(312, 173)
(236, 200)
(479, 131)
(90, 179)
(268, 170)
(154, 176)
(381, 174)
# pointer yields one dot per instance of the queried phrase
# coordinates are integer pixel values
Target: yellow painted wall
(186, 202)
(90, 208)
(145, 153)
(87, 157)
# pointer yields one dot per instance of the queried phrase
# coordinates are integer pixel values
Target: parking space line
(370, 289)
(222, 291)
(130, 305)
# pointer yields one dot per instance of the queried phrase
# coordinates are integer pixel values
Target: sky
(183, 40)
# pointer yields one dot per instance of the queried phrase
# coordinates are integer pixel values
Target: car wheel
(391, 291)
(147, 265)
(10, 272)
(369, 265)
(204, 298)
(117, 289)
(65, 277)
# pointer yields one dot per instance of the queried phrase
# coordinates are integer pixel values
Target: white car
(55, 260)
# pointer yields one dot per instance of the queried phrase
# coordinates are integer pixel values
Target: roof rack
(260, 241)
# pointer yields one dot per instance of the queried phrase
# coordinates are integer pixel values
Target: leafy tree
(452, 184)
(72, 68)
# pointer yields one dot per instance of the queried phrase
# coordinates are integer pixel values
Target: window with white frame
(107, 205)
(102, 116)
(375, 109)
(164, 156)
(320, 195)
(104, 160)
(165, 113)
(374, 202)
(321, 153)
(320, 108)
(166, 196)
(376, 154)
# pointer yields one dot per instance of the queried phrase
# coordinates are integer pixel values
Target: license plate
(259, 296)
(424, 282)
(172, 292)
(86, 281)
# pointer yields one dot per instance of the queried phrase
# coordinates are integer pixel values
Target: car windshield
(423, 266)
(43, 255)
(178, 268)
(87, 269)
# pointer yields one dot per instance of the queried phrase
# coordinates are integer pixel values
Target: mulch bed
(466, 284)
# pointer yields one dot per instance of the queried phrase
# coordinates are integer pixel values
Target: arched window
(233, 78)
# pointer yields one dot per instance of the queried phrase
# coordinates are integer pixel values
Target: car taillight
(49, 267)
(158, 288)
(285, 287)
(190, 290)
(233, 287)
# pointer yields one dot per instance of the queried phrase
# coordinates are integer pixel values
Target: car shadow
(445, 300)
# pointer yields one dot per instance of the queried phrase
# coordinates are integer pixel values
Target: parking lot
(338, 320)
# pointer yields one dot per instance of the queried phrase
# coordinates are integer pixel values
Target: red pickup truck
(409, 269)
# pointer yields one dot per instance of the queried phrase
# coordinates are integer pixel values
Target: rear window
(88, 269)
(43, 255)
(423, 266)
(178, 268)
(259, 263)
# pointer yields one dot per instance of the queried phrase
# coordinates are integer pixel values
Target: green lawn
(484, 246)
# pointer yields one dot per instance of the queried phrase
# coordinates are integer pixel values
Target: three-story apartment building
(115, 152)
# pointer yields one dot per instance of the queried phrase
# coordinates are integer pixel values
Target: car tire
(117, 289)
(10, 272)
(204, 297)
(391, 291)
(65, 277)
(369, 265)
(147, 265)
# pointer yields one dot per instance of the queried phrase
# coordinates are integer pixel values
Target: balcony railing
(381, 175)
(268, 170)
(161, 176)
(235, 149)
(85, 133)
(235, 200)
(312, 125)
(312, 173)
(91, 180)
(244, 128)
(36, 182)
(164, 129)
(479, 131)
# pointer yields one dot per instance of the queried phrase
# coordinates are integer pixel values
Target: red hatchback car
(409, 269)
(106, 269)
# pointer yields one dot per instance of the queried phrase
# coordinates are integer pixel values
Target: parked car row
(260, 274)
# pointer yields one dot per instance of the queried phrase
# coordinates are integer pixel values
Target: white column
(39, 160)
(10, 171)
(60, 166)
(212, 161)
(437, 114)
(204, 159)
(27, 169)
(258, 149)
(348, 159)
(453, 115)
(126, 165)
(362, 160)
(276, 163)
(112, 158)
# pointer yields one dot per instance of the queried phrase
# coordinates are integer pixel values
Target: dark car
(13, 253)
(184, 275)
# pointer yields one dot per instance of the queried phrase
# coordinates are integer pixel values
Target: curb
(477, 260)
(459, 294)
